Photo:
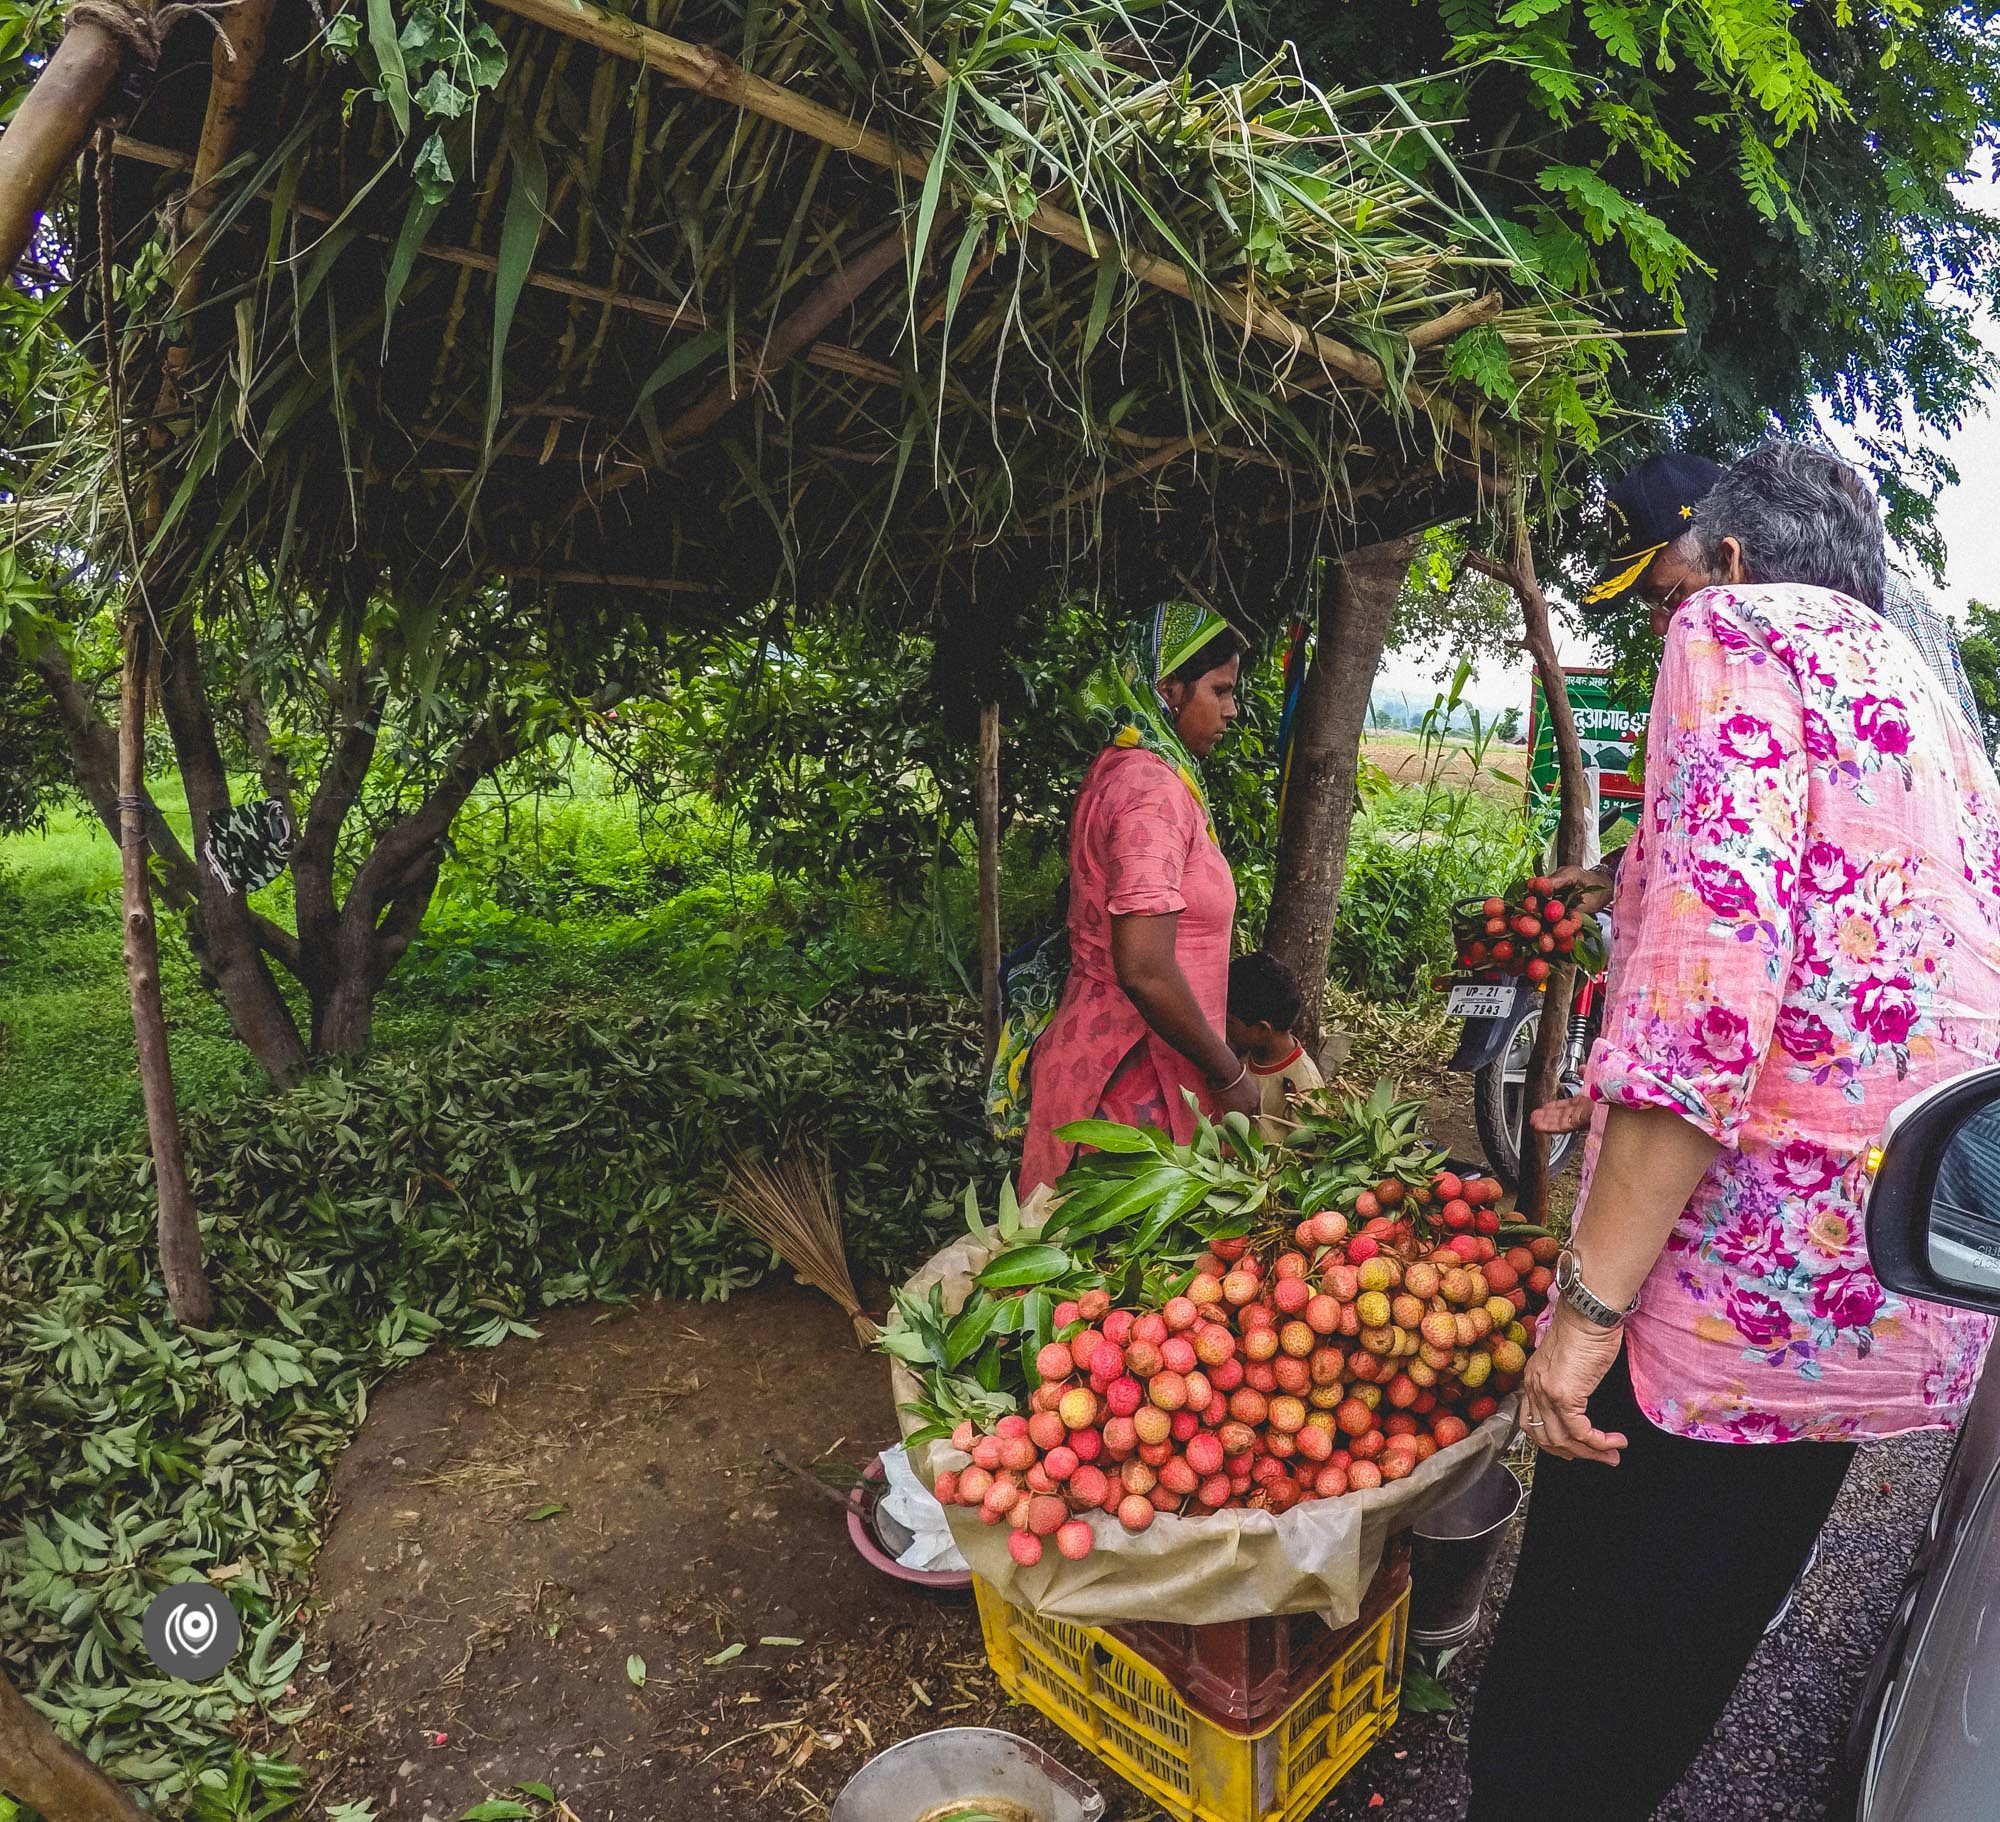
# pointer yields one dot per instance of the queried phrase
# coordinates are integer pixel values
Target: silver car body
(1924, 1745)
(1927, 1733)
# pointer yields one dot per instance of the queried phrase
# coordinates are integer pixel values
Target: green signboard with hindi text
(1610, 735)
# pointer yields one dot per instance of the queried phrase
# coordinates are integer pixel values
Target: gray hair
(1798, 514)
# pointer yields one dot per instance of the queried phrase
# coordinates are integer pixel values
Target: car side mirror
(1934, 1205)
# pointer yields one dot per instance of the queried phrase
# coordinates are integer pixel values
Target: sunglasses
(1667, 593)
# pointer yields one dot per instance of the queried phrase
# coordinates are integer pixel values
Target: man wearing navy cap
(1648, 512)
(1651, 510)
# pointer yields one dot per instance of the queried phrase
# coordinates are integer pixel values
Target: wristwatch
(1571, 1288)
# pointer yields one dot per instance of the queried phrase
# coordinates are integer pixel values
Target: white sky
(1968, 516)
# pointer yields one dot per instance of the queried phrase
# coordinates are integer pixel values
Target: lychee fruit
(1078, 1409)
(1135, 1512)
(1087, 1487)
(1054, 1361)
(1025, 1548)
(1075, 1539)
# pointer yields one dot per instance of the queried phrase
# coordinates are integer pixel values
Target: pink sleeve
(1704, 926)
(1149, 820)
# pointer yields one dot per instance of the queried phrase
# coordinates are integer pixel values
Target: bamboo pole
(188, 1293)
(708, 72)
(1552, 1035)
(233, 69)
(47, 132)
(989, 873)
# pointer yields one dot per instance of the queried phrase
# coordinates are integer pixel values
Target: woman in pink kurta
(1139, 1025)
(1806, 933)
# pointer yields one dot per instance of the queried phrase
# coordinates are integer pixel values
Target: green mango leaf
(970, 1332)
(1107, 1135)
(1022, 1266)
(520, 235)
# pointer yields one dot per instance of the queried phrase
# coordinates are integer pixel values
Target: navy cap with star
(1649, 508)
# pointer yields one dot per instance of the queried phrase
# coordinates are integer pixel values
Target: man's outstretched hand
(1571, 1114)
(1581, 888)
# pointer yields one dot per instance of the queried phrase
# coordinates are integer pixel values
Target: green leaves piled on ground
(350, 1226)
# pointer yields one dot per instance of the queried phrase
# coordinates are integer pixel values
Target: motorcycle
(1502, 1019)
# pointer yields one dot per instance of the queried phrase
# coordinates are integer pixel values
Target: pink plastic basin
(861, 1528)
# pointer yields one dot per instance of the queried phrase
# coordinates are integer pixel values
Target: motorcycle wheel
(1497, 1094)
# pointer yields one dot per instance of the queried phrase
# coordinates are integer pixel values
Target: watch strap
(1581, 1298)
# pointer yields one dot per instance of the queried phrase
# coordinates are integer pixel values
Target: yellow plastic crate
(1112, 1701)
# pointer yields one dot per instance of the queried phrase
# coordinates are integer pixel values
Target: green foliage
(851, 758)
(34, 758)
(1416, 849)
(1979, 649)
(67, 1076)
(350, 1226)
(1768, 191)
(1447, 614)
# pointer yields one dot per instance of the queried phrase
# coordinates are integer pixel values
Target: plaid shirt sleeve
(1906, 609)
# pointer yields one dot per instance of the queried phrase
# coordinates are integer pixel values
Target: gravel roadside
(1775, 1755)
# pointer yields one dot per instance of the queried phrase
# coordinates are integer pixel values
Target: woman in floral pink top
(1806, 933)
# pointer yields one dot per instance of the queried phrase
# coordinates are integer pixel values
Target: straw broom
(790, 1206)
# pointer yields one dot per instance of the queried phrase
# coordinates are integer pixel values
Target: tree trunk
(230, 949)
(1356, 605)
(989, 873)
(344, 1017)
(54, 1779)
(1552, 1038)
(48, 130)
(180, 1238)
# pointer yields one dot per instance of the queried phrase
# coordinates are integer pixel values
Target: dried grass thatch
(866, 303)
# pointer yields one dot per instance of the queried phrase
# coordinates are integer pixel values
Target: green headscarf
(1121, 698)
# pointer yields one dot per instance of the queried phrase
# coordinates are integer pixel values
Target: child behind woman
(1264, 1005)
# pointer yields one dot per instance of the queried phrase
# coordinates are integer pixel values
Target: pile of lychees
(1524, 933)
(1335, 1363)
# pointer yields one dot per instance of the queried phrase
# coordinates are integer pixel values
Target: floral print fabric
(1140, 846)
(1806, 933)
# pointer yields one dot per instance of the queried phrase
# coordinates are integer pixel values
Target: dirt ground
(513, 1527)
(1404, 759)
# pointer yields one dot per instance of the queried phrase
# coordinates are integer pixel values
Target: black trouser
(1641, 1593)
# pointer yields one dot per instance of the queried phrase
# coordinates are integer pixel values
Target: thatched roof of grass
(858, 303)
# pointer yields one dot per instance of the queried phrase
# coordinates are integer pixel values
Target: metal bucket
(1452, 1552)
(970, 1770)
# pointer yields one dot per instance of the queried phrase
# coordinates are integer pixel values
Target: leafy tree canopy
(1768, 186)
(1979, 647)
